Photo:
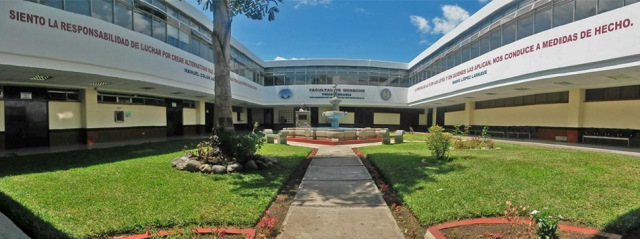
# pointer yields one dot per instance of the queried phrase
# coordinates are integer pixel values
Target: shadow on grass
(31, 224)
(410, 169)
(627, 224)
(19, 165)
(273, 177)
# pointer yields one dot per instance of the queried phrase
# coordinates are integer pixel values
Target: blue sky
(387, 30)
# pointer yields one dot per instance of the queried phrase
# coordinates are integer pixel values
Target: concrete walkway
(8, 230)
(338, 199)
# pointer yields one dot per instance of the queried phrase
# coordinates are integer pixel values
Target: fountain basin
(338, 134)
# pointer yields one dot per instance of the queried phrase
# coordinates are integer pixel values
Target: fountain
(335, 134)
(334, 115)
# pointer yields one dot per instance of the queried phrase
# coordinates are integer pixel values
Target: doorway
(174, 118)
(26, 117)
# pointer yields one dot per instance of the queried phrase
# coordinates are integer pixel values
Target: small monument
(303, 117)
(335, 114)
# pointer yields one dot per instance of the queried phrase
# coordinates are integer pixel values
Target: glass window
(525, 26)
(78, 6)
(465, 53)
(608, 5)
(496, 39)
(509, 32)
(543, 19)
(184, 41)
(159, 5)
(142, 22)
(123, 15)
(102, 9)
(585, 8)
(627, 2)
(458, 56)
(195, 46)
(204, 50)
(159, 29)
(562, 12)
(475, 49)
(485, 44)
(172, 12)
(172, 36)
(52, 3)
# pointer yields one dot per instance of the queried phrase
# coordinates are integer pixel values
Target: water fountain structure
(335, 134)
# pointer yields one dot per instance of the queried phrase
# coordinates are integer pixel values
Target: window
(63, 95)
(543, 19)
(485, 44)
(525, 26)
(172, 36)
(627, 2)
(184, 41)
(159, 29)
(195, 46)
(78, 6)
(562, 12)
(118, 116)
(475, 50)
(509, 32)
(142, 22)
(52, 3)
(123, 15)
(188, 104)
(496, 39)
(586, 8)
(608, 5)
(102, 9)
(159, 5)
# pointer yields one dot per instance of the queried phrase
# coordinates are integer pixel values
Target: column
(433, 115)
(89, 108)
(574, 113)
(469, 108)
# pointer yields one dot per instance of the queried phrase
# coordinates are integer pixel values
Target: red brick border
(313, 153)
(329, 142)
(357, 152)
(249, 233)
(435, 230)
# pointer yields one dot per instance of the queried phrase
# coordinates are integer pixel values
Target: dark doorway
(314, 116)
(268, 118)
(208, 117)
(174, 117)
(26, 117)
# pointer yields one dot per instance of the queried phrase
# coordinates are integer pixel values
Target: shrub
(547, 225)
(439, 142)
(236, 147)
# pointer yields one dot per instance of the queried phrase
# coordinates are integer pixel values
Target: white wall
(64, 115)
(454, 118)
(140, 115)
(422, 118)
(552, 115)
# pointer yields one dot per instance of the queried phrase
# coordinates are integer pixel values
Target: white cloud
(421, 23)
(279, 58)
(362, 10)
(452, 16)
(312, 3)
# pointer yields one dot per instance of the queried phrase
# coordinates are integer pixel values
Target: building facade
(81, 72)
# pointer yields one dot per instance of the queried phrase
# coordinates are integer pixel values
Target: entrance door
(208, 114)
(174, 118)
(26, 117)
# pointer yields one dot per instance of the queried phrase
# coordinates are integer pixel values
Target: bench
(398, 136)
(520, 130)
(609, 134)
(271, 137)
(384, 134)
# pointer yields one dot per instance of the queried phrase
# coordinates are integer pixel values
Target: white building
(108, 70)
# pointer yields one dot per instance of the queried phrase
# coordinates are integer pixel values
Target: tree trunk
(222, 56)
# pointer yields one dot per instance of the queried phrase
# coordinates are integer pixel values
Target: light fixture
(619, 77)
(177, 93)
(469, 97)
(147, 88)
(490, 93)
(451, 101)
(200, 96)
(522, 88)
(101, 83)
(563, 83)
(40, 77)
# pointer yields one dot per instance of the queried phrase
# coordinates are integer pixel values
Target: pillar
(574, 113)
(89, 112)
(433, 115)
(469, 108)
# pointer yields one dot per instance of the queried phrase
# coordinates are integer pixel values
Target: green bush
(547, 225)
(439, 142)
(236, 147)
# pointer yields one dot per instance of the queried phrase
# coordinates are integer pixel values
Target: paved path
(8, 230)
(338, 199)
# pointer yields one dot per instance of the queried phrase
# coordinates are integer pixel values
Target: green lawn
(104, 192)
(595, 189)
(414, 137)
